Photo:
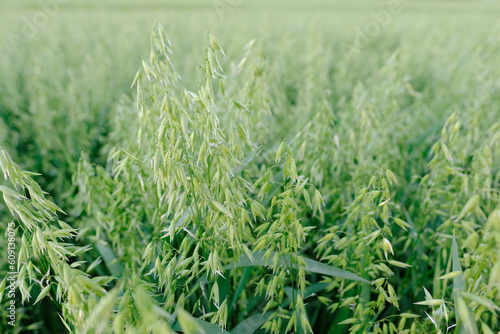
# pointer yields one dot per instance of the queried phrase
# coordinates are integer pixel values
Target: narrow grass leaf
(251, 324)
(481, 301)
(467, 318)
(244, 163)
(458, 281)
(311, 266)
(109, 258)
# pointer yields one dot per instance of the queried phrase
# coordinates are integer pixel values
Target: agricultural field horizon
(250, 166)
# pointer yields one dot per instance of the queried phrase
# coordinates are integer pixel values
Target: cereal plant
(255, 181)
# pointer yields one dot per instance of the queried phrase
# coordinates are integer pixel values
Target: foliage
(265, 190)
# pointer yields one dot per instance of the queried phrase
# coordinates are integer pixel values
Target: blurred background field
(72, 69)
(66, 78)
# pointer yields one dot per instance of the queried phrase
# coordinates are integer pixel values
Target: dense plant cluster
(251, 197)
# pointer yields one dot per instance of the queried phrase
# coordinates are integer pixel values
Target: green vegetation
(276, 167)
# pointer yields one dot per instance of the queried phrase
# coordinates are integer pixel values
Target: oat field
(250, 166)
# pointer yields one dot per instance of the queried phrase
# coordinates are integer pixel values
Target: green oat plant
(191, 176)
(364, 201)
(175, 220)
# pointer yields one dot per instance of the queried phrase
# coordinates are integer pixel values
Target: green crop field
(250, 166)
